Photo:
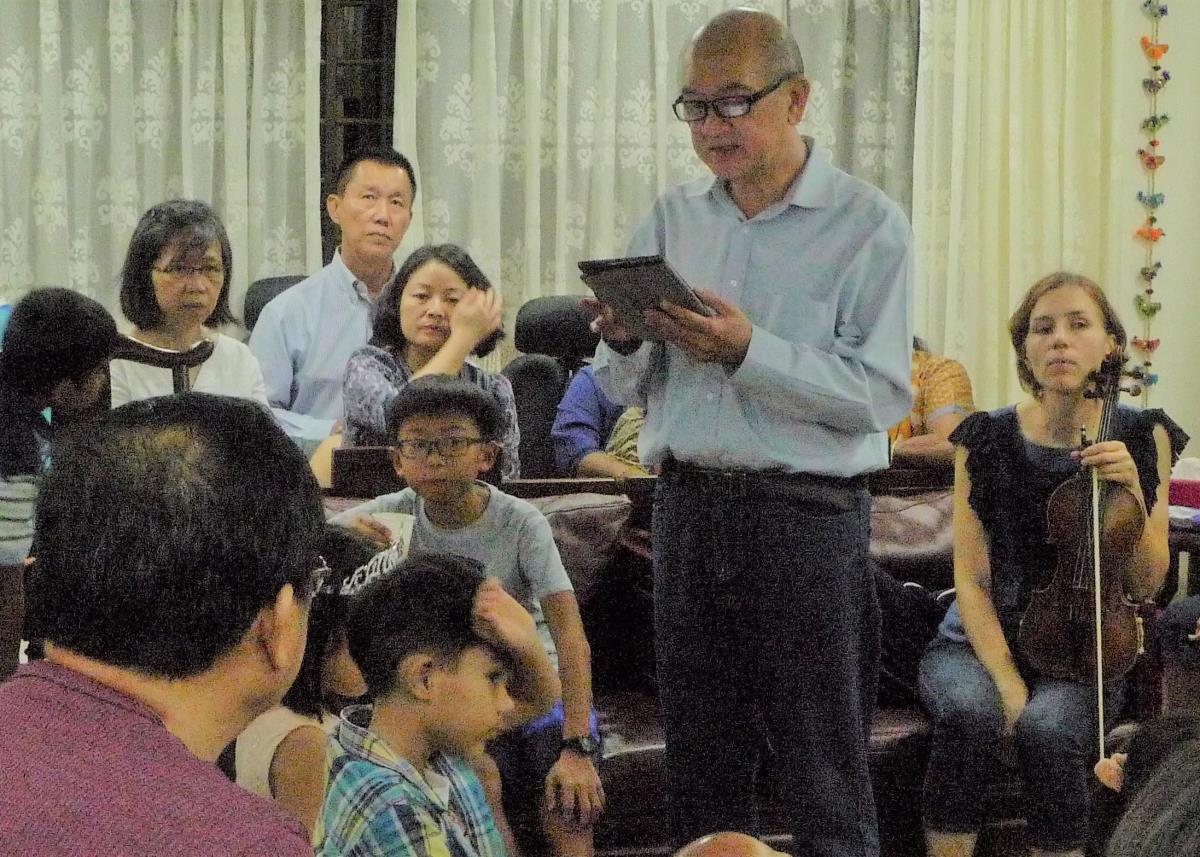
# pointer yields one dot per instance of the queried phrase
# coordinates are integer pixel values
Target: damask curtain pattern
(109, 106)
(542, 129)
(1026, 130)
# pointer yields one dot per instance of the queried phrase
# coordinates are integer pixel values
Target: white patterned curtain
(110, 106)
(542, 131)
(1027, 125)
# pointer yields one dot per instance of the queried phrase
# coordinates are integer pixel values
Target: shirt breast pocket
(796, 305)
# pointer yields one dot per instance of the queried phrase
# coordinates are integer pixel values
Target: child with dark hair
(444, 434)
(1123, 774)
(1163, 819)
(441, 649)
(54, 355)
(281, 754)
(439, 310)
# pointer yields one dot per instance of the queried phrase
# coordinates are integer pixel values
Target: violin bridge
(1141, 635)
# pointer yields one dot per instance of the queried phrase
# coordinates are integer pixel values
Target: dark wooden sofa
(605, 544)
(911, 538)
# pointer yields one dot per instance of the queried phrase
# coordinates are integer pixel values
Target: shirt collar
(812, 188)
(346, 277)
(353, 734)
(76, 682)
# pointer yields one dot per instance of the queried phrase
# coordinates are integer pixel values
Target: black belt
(840, 491)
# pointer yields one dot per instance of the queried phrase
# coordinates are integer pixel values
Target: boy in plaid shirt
(438, 646)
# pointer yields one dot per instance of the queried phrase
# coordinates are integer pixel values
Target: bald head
(748, 32)
(727, 845)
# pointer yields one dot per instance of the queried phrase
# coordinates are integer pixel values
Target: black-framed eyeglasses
(726, 107)
(178, 273)
(446, 447)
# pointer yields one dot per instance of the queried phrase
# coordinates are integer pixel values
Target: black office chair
(556, 338)
(260, 294)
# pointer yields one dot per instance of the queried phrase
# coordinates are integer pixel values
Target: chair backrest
(260, 294)
(538, 384)
(556, 337)
(556, 326)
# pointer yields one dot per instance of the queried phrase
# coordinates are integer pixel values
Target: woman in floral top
(438, 311)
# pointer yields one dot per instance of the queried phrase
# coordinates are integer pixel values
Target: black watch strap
(584, 745)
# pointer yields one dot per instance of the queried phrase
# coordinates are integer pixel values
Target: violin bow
(1097, 604)
(1113, 366)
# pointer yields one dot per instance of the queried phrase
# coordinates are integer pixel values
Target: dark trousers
(908, 622)
(766, 626)
(1178, 623)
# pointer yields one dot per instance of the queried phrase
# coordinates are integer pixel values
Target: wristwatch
(584, 745)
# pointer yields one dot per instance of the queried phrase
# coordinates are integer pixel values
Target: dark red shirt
(87, 770)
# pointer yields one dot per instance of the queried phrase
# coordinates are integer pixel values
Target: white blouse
(232, 370)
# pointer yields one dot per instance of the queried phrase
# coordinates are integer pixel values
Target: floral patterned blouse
(375, 376)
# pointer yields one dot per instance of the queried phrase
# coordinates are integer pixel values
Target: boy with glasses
(446, 433)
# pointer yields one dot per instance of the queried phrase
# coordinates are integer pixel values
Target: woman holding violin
(977, 679)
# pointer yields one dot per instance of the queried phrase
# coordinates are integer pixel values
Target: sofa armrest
(587, 531)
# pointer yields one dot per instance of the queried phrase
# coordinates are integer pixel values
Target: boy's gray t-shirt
(511, 538)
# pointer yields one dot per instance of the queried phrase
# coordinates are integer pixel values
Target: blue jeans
(766, 626)
(1055, 737)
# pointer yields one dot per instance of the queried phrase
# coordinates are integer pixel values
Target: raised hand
(477, 314)
(500, 619)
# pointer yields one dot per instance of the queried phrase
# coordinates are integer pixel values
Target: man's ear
(800, 91)
(415, 675)
(280, 630)
(333, 205)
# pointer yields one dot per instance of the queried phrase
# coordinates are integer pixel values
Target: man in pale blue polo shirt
(765, 419)
(305, 336)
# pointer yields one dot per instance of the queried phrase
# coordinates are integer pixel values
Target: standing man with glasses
(765, 418)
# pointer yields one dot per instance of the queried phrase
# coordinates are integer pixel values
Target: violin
(1082, 625)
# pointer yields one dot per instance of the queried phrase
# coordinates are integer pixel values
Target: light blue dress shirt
(825, 277)
(303, 340)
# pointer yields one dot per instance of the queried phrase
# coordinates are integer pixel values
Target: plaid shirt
(376, 803)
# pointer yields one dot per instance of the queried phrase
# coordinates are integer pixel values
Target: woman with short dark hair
(175, 291)
(440, 310)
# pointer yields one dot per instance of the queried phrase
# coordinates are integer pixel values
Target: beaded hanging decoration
(1150, 233)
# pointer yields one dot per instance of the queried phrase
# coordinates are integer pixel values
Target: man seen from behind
(174, 549)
